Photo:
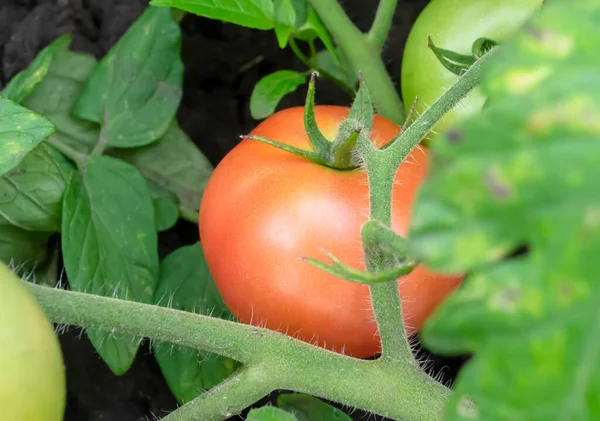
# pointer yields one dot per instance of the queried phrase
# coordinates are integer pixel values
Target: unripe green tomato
(454, 25)
(32, 373)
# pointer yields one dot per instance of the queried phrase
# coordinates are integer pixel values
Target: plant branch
(405, 143)
(382, 24)
(245, 387)
(363, 58)
(273, 360)
(77, 157)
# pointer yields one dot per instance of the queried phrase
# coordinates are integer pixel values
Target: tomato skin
(32, 374)
(263, 209)
(454, 25)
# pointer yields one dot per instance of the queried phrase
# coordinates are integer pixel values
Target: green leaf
(285, 21)
(166, 212)
(271, 89)
(23, 249)
(176, 164)
(309, 408)
(186, 284)
(315, 28)
(31, 194)
(55, 96)
(20, 132)
(270, 413)
(523, 172)
(332, 67)
(110, 244)
(22, 84)
(135, 91)
(257, 14)
(301, 9)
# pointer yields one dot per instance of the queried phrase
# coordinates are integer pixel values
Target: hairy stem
(385, 297)
(363, 58)
(399, 149)
(272, 360)
(246, 386)
(382, 24)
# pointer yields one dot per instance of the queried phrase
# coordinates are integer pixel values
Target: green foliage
(31, 194)
(523, 173)
(21, 248)
(270, 413)
(185, 284)
(135, 90)
(256, 14)
(55, 95)
(110, 243)
(21, 85)
(269, 91)
(308, 408)
(20, 132)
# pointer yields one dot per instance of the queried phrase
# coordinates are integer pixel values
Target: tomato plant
(454, 25)
(264, 209)
(33, 384)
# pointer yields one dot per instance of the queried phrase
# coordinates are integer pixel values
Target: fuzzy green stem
(385, 298)
(382, 23)
(273, 360)
(399, 149)
(363, 58)
(246, 386)
(342, 152)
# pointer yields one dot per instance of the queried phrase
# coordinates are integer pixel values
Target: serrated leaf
(21, 131)
(269, 91)
(524, 172)
(186, 284)
(110, 244)
(176, 164)
(285, 21)
(23, 249)
(135, 91)
(270, 413)
(55, 96)
(309, 408)
(23, 83)
(31, 194)
(257, 14)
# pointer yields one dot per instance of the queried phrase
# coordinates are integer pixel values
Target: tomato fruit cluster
(264, 209)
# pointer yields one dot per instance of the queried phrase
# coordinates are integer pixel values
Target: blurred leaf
(270, 413)
(166, 212)
(314, 28)
(285, 20)
(23, 83)
(135, 91)
(256, 14)
(329, 65)
(23, 249)
(523, 172)
(176, 164)
(309, 408)
(31, 194)
(301, 8)
(186, 284)
(271, 89)
(21, 130)
(110, 244)
(55, 96)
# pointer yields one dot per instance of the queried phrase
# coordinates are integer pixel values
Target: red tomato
(263, 209)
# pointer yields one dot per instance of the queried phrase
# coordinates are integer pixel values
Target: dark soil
(223, 62)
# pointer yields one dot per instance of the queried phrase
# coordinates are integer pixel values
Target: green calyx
(340, 153)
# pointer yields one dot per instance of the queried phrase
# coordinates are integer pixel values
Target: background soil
(223, 62)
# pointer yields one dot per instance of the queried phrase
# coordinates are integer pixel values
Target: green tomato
(32, 373)
(454, 25)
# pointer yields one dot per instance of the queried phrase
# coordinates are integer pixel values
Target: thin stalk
(399, 149)
(77, 157)
(382, 23)
(299, 53)
(246, 386)
(363, 58)
(385, 297)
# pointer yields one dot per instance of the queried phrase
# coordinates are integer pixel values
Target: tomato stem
(362, 57)
(382, 23)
